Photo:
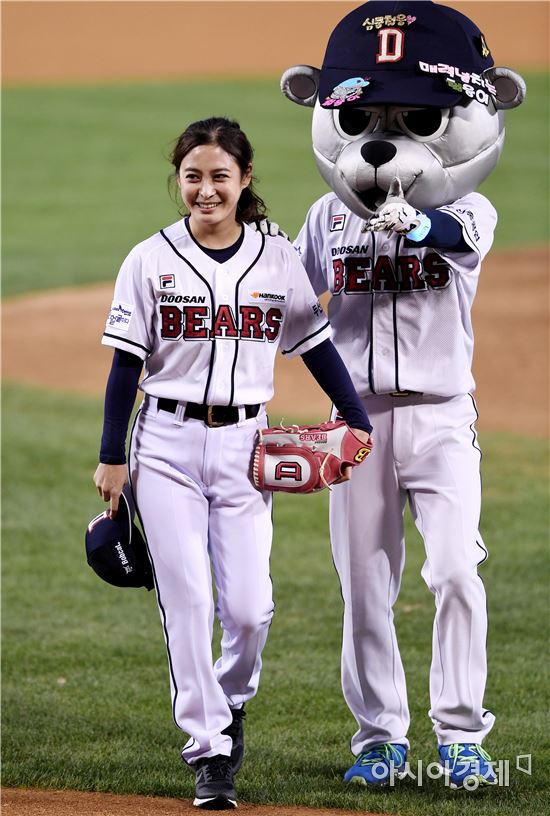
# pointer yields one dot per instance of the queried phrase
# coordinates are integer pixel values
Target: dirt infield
(22, 802)
(89, 41)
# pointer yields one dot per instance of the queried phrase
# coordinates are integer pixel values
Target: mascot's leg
(366, 525)
(445, 493)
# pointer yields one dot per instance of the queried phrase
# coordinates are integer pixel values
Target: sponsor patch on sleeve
(120, 316)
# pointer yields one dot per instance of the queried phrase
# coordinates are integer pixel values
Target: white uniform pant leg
(166, 472)
(240, 531)
(366, 526)
(441, 471)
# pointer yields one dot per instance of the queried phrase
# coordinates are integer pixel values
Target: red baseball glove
(306, 458)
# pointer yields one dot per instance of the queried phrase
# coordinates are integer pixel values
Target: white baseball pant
(425, 449)
(201, 512)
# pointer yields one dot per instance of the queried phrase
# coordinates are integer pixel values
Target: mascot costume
(408, 120)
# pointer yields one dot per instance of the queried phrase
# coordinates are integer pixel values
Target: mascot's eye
(354, 121)
(424, 124)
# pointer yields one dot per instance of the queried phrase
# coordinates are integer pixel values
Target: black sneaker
(236, 732)
(214, 789)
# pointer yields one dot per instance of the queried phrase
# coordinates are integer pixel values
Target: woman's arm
(327, 367)
(120, 394)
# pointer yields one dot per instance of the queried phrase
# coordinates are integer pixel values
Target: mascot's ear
(300, 84)
(510, 87)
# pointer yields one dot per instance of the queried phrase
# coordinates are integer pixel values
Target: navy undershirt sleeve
(445, 233)
(327, 367)
(120, 395)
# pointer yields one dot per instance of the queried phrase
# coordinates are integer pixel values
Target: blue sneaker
(379, 766)
(467, 765)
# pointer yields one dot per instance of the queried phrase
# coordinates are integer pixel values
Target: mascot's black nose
(377, 153)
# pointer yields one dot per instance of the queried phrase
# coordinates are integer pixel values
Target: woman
(205, 303)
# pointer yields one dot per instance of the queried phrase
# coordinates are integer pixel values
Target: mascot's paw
(268, 228)
(395, 217)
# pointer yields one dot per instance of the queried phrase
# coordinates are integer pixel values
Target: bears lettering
(192, 323)
(354, 275)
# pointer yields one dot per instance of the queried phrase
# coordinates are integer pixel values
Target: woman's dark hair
(227, 134)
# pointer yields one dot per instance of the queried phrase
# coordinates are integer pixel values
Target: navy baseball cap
(115, 548)
(403, 53)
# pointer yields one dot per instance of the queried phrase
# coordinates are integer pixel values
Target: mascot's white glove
(395, 215)
(268, 228)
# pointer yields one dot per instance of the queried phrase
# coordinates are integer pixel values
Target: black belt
(212, 415)
(405, 393)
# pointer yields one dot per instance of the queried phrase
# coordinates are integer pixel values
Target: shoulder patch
(120, 316)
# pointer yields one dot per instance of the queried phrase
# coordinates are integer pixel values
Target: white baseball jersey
(209, 332)
(415, 302)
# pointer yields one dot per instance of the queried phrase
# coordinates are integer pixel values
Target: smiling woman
(208, 374)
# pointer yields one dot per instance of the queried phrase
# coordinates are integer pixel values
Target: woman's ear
(247, 177)
(510, 87)
(300, 84)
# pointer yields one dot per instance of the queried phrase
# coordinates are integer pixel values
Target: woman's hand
(365, 437)
(109, 481)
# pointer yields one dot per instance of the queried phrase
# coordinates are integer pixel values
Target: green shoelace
(382, 753)
(462, 754)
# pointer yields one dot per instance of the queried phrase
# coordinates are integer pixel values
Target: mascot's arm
(444, 232)
(429, 228)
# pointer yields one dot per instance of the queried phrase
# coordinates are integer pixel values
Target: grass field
(85, 681)
(84, 170)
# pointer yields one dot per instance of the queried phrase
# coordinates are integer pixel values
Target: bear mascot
(408, 120)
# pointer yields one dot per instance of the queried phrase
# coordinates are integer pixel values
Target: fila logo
(337, 222)
(167, 281)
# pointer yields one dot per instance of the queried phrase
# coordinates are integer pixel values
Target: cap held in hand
(115, 548)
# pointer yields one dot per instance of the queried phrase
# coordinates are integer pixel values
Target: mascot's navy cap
(396, 53)
(115, 548)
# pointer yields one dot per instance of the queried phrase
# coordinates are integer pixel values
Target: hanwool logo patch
(167, 281)
(270, 297)
(120, 316)
(337, 222)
